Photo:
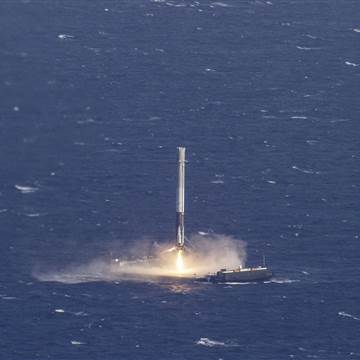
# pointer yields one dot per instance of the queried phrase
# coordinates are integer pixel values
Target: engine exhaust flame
(180, 266)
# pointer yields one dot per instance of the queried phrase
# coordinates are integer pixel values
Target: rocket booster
(180, 200)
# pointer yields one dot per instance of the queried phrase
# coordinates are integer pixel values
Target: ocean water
(95, 96)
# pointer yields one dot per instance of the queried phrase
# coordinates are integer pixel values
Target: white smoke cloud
(213, 252)
(207, 254)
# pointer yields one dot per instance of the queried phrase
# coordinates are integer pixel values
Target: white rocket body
(180, 200)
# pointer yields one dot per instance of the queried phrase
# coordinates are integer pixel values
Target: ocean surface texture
(95, 96)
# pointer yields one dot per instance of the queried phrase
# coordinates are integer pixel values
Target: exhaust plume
(208, 254)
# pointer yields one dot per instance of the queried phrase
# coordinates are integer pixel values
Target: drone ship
(253, 274)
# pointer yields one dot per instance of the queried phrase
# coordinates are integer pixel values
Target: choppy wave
(65, 36)
(26, 189)
(169, 3)
(221, 4)
(75, 342)
(306, 48)
(76, 313)
(283, 281)
(345, 314)
(217, 182)
(351, 64)
(306, 171)
(33, 215)
(211, 343)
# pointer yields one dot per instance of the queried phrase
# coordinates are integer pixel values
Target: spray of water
(208, 254)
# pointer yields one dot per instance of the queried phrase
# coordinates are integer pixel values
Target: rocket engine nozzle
(180, 247)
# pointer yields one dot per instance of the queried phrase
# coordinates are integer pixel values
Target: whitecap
(221, 4)
(271, 181)
(33, 215)
(217, 182)
(3, 210)
(299, 117)
(211, 343)
(154, 118)
(175, 5)
(26, 189)
(306, 48)
(75, 342)
(356, 30)
(65, 36)
(305, 171)
(283, 281)
(343, 313)
(80, 313)
(59, 310)
(351, 64)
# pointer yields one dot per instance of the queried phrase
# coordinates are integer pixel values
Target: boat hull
(245, 275)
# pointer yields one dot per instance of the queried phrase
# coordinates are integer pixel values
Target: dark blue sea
(95, 96)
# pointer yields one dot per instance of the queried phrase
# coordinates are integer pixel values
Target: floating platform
(257, 274)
